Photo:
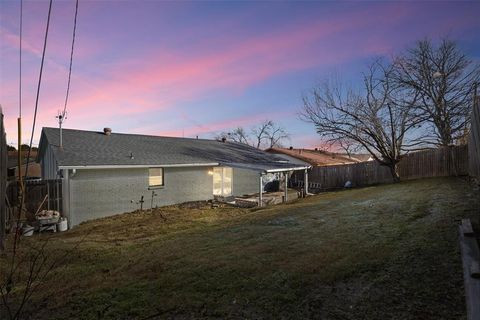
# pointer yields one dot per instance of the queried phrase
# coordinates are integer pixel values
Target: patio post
(305, 179)
(260, 190)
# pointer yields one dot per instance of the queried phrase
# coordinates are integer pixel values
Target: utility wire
(71, 59)
(38, 88)
(15, 241)
(20, 59)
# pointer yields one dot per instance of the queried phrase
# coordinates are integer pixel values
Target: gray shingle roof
(90, 148)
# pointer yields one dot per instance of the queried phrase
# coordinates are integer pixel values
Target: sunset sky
(198, 68)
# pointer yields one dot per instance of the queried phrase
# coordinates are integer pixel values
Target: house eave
(288, 169)
(133, 166)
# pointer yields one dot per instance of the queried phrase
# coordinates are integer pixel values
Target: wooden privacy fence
(448, 161)
(474, 141)
(36, 191)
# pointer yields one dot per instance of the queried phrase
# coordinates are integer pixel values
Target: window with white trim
(155, 177)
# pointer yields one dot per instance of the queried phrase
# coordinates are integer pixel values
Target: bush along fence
(446, 161)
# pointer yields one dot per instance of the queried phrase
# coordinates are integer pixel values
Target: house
(107, 173)
(318, 157)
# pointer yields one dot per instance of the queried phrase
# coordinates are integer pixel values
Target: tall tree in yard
(378, 118)
(444, 78)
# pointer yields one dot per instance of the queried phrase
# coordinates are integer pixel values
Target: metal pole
(61, 144)
(286, 185)
(260, 190)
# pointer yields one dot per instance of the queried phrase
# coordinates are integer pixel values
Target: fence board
(448, 161)
(3, 180)
(474, 141)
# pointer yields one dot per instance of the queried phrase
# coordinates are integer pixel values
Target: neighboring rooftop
(319, 157)
(90, 148)
(12, 160)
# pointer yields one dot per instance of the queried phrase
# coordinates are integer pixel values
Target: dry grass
(384, 252)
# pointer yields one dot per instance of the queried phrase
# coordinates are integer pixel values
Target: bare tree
(265, 134)
(347, 145)
(237, 135)
(444, 77)
(378, 119)
(260, 132)
(276, 134)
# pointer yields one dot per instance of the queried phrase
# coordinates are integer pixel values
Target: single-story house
(107, 173)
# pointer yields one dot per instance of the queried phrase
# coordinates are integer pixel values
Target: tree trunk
(394, 171)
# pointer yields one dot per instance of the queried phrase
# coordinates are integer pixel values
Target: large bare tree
(444, 77)
(378, 118)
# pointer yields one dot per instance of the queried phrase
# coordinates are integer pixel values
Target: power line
(38, 87)
(20, 59)
(71, 59)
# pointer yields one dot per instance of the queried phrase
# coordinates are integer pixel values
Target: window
(155, 177)
(222, 181)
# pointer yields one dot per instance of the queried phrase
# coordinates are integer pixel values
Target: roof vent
(107, 131)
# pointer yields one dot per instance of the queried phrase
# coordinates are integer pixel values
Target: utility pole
(61, 117)
(21, 189)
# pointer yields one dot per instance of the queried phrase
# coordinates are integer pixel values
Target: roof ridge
(132, 134)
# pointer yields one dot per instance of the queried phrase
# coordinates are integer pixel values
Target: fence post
(3, 181)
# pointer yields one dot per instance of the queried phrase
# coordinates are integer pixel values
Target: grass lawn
(383, 252)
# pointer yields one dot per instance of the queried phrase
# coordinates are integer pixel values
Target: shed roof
(96, 149)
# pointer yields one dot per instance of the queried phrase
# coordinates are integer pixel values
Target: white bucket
(27, 231)
(62, 225)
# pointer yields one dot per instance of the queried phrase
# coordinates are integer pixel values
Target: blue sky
(198, 68)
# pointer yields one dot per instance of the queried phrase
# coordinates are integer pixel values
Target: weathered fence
(474, 141)
(39, 194)
(447, 161)
(3, 180)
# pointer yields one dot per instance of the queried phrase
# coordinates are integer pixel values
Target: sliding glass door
(222, 181)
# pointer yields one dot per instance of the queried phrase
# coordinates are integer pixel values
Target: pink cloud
(222, 125)
(160, 79)
(170, 77)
